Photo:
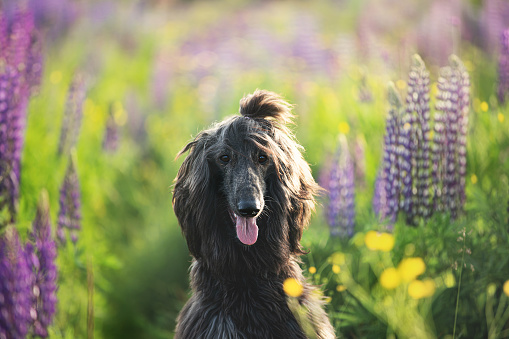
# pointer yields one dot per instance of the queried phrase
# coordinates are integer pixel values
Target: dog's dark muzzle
(249, 208)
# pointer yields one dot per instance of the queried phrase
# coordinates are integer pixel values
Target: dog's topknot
(264, 104)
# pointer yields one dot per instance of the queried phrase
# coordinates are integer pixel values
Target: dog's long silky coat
(243, 196)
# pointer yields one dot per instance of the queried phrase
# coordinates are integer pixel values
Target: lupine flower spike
(15, 287)
(408, 154)
(69, 215)
(451, 127)
(390, 177)
(341, 207)
(418, 117)
(439, 139)
(71, 122)
(17, 69)
(463, 112)
(41, 251)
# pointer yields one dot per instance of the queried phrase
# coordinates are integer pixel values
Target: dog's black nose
(248, 208)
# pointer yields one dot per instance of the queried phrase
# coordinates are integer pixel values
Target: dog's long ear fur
(193, 191)
(295, 175)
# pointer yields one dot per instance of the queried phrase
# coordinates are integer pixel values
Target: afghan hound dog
(243, 196)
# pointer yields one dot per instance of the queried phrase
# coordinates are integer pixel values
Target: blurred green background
(164, 70)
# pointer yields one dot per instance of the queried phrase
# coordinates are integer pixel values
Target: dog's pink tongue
(247, 230)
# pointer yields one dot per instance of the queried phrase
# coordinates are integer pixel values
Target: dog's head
(245, 176)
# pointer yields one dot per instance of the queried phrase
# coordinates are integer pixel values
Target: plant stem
(459, 285)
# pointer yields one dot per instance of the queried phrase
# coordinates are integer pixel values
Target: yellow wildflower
(411, 268)
(484, 106)
(501, 117)
(370, 240)
(401, 84)
(336, 269)
(341, 288)
(473, 178)
(506, 288)
(390, 279)
(292, 287)
(312, 270)
(337, 258)
(386, 242)
(343, 127)
(55, 77)
(418, 289)
(379, 241)
(449, 280)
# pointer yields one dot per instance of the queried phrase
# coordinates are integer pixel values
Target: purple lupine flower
(503, 68)
(54, 17)
(110, 141)
(69, 215)
(15, 135)
(438, 167)
(9, 179)
(451, 127)
(16, 280)
(420, 98)
(418, 132)
(16, 34)
(390, 176)
(341, 206)
(463, 112)
(4, 35)
(71, 122)
(20, 38)
(405, 164)
(451, 135)
(42, 253)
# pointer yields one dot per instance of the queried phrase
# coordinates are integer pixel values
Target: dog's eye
(262, 158)
(225, 158)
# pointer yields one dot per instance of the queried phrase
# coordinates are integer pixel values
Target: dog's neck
(202, 274)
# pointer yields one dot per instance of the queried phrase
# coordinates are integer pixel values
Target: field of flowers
(402, 108)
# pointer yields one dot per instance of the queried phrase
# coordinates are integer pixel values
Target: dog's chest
(256, 309)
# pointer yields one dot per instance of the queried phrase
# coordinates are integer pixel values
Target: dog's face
(244, 184)
(243, 170)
